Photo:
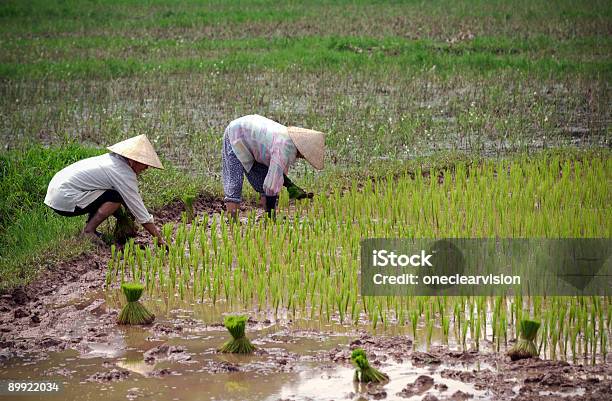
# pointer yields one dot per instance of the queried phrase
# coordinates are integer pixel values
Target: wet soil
(527, 379)
(65, 311)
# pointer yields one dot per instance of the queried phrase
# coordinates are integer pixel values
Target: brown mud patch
(202, 204)
(109, 376)
(175, 353)
(420, 386)
(528, 379)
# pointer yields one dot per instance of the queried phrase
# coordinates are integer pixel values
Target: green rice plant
(239, 344)
(477, 335)
(445, 327)
(464, 330)
(364, 373)
(134, 313)
(457, 319)
(553, 337)
(574, 338)
(604, 346)
(414, 321)
(430, 324)
(525, 346)
(113, 262)
(307, 266)
(502, 329)
(166, 232)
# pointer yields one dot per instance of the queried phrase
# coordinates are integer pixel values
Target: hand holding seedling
(294, 191)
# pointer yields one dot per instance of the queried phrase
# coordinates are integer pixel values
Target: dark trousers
(110, 195)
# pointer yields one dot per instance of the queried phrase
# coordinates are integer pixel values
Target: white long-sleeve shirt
(84, 181)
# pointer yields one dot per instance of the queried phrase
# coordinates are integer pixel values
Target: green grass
(32, 235)
(125, 38)
(386, 80)
(28, 228)
(120, 56)
(235, 18)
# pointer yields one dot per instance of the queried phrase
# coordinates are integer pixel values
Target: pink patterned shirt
(257, 138)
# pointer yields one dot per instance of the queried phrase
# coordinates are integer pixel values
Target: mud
(167, 352)
(527, 379)
(109, 376)
(202, 203)
(42, 317)
(420, 386)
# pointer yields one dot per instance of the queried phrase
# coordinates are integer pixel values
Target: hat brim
(310, 144)
(138, 149)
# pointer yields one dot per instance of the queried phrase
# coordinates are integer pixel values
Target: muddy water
(297, 359)
(285, 370)
(292, 361)
(311, 382)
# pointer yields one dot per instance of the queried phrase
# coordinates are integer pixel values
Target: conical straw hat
(139, 149)
(310, 143)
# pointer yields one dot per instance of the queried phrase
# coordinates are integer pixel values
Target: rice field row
(305, 265)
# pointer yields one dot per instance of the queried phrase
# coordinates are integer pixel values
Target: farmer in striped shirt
(98, 186)
(263, 150)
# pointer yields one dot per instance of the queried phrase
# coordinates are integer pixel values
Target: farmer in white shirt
(99, 185)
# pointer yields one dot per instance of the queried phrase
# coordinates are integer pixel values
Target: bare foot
(94, 238)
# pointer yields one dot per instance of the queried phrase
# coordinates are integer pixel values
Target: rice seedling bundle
(525, 345)
(125, 226)
(364, 372)
(134, 312)
(239, 344)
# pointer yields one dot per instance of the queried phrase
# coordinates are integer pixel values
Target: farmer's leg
(101, 214)
(233, 176)
(256, 178)
(110, 195)
(99, 210)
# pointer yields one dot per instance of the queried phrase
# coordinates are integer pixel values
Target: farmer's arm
(273, 184)
(128, 189)
(152, 229)
(281, 156)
